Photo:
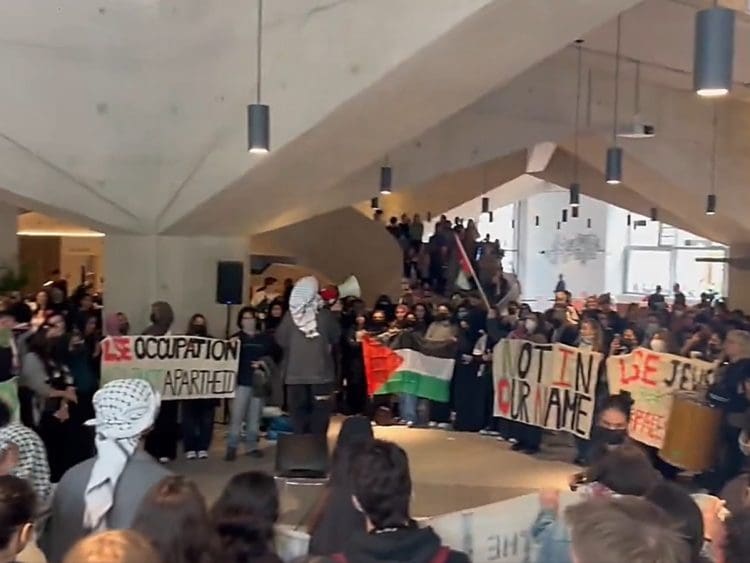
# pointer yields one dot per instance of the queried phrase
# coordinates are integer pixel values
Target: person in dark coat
(162, 441)
(307, 335)
(470, 374)
(354, 367)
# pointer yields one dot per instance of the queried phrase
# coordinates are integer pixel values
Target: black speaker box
(229, 278)
(302, 456)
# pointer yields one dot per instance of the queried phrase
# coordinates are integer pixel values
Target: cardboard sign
(498, 532)
(179, 367)
(547, 385)
(652, 379)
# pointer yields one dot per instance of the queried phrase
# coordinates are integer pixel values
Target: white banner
(652, 379)
(547, 385)
(496, 533)
(179, 367)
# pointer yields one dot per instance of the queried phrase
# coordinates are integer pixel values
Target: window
(696, 277)
(646, 269)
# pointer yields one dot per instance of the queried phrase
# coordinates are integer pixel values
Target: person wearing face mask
(256, 348)
(469, 386)
(591, 339)
(442, 329)
(197, 414)
(662, 342)
(161, 442)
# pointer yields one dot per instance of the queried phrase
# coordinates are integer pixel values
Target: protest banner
(498, 532)
(547, 385)
(652, 379)
(179, 367)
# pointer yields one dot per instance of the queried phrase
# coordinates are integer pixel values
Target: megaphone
(349, 288)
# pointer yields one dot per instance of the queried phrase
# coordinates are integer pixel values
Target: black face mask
(198, 330)
(153, 318)
(608, 436)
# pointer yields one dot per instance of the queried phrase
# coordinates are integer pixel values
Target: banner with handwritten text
(552, 386)
(179, 367)
(652, 379)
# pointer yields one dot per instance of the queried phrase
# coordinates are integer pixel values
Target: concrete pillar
(738, 290)
(141, 269)
(8, 237)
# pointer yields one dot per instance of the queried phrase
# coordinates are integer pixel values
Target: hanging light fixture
(485, 206)
(713, 52)
(588, 223)
(386, 179)
(490, 216)
(574, 212)
(558, 225)
(564, 215)
(536, 221)
(374, 204)
(613, 172)
(512, 223)
(575, 187)
(259, 115)
(711, 199)
(654, 214)
(630, 220)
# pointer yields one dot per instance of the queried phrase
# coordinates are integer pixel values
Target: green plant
(11, 280)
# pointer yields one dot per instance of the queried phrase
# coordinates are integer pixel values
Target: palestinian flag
(465, 270)
(409, 363)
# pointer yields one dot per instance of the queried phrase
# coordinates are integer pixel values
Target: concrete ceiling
(130, 116)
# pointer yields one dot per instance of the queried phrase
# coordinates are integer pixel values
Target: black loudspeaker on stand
(229, 278)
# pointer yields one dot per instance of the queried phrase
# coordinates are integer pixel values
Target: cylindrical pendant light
(536, 221)
(630, 220)
(711, 199)
(713, 52)
(711, 204)
(512, 223)
(574, 212)
(386, 179)
(613, 171)
(485, 206)
(654, 214)
(374, 203)
(575, 194)
(588, 223)
(558, 225)
(564, 215)
(259, 115)
(490, 217)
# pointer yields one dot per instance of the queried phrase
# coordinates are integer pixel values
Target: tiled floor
(451, 471)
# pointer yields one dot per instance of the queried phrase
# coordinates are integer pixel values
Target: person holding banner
(591, 339)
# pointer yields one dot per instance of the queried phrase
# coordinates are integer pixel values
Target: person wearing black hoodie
(381, 483)
(161, 442)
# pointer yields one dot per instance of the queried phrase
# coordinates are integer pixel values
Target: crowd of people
(82, 460)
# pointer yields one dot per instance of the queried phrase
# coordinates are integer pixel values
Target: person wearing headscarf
(116, 324)
(104, 492)
(162, 440)
(307, 335)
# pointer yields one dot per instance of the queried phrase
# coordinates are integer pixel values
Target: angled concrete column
(8, 238)
(139, 270)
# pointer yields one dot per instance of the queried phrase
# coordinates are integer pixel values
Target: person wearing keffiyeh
(307, 334)
(104, 492)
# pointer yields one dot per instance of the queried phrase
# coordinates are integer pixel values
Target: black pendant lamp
(374, 203)
(564, 215)
(711, 199)
(485, 206)
(630, 219)
(536, 221)
(490, 217)
(558, 225)
(588, 223)
(654, 214)
(574, 212)
(429, 216)
(259, 115)
(613, 165)
(386, 179)
(713, 52)
(575, 195)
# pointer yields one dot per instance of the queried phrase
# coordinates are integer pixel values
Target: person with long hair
(334, 519)
(244, 517)
(174, 518)
(114, 546)
(17, 511)
(197, 414)
(591, 339)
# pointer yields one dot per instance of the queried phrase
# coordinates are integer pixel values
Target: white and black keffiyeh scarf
(304, 303)
(125, 409)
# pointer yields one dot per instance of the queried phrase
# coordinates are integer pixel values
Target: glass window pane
(647, 269)
(696, 277)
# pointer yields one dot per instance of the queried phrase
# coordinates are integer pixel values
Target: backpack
(441, 556)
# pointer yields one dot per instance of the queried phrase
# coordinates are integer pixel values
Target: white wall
(576, 251)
